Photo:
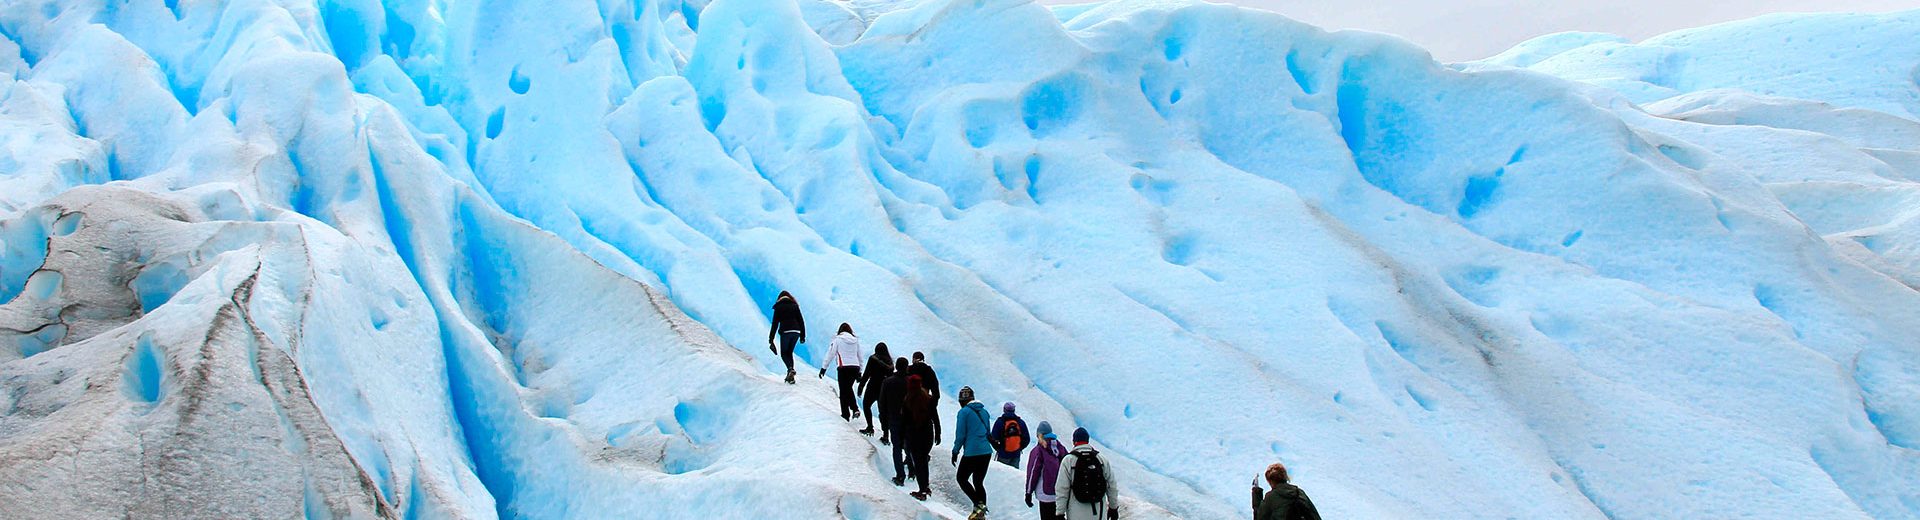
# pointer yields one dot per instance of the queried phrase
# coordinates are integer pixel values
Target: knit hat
(1046, 431)
(966, 394)
(1007, 407)
(1079, 435)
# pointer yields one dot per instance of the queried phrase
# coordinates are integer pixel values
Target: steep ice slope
(1829, 133)
(1860, 195)
(401, 348)
(1828, 108)
(466, 234)
(1843, 59)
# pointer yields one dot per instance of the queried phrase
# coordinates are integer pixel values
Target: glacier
(458, 259)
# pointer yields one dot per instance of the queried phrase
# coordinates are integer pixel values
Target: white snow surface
(455, 259)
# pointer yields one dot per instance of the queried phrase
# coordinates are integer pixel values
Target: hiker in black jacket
(790, 327)
(893, 394)
(1285, 502)
(879, 367)
(918, 426)
(932, 382)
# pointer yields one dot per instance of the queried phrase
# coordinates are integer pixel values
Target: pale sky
(1456, 30)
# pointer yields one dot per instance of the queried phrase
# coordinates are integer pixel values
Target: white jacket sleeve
(1064, 484)
(1113, 488)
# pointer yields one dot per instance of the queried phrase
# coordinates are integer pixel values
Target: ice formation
(272, 258)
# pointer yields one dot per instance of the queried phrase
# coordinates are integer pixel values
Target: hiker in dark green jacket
(1285, 502)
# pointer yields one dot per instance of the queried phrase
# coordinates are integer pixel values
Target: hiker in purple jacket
(1043, 468)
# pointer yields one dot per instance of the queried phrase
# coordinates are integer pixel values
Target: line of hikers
(1070, 483)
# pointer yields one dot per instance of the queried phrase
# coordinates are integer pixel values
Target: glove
(1113, 513)
(823, 374)
(936, 439)
(771, 349)
(956, 458)
(1029, 499)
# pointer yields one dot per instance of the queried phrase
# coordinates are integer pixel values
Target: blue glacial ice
(355, 258)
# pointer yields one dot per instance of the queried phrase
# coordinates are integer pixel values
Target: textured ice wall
(513, 259)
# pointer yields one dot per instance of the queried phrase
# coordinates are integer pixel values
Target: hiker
(844, 352)
(790, 327)
(1009, 436)
(1285, 502)
(1043, 470)
(879, 367)
(970, 431)
(1086, 483)
(893, 392)
(932, 382)
(918, 428)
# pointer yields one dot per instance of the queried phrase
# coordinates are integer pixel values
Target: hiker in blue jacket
(970, 435)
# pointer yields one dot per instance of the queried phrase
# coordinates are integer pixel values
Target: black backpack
(1089, 477)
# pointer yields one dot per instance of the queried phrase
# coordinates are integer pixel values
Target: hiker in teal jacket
(970, 432)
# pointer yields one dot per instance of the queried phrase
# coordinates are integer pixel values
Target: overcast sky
(1458, 30)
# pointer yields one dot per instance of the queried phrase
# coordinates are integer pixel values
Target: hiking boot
(883, 440)
(899, 481)
(918, 496)
(868, 432)
(789, 376)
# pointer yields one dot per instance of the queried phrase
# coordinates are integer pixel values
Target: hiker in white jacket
(1086, 469)
(844, 352)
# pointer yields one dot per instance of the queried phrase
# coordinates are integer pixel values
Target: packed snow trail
(268, 258)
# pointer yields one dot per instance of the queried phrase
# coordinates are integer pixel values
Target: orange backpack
(1012, 438)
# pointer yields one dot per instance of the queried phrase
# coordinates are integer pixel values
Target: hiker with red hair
(1285, 502)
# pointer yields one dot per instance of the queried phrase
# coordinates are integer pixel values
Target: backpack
(1011, 437)
(1304, 510)
(1089, 478)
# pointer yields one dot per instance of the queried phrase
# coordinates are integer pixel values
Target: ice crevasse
(514, 259)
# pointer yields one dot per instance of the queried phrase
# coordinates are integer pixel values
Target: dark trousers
(1047, 511)
(787, 341)
(866, 405)
(849, 404)
(921, 455)
(900, 458)
(973, 476)
(1010, 459)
